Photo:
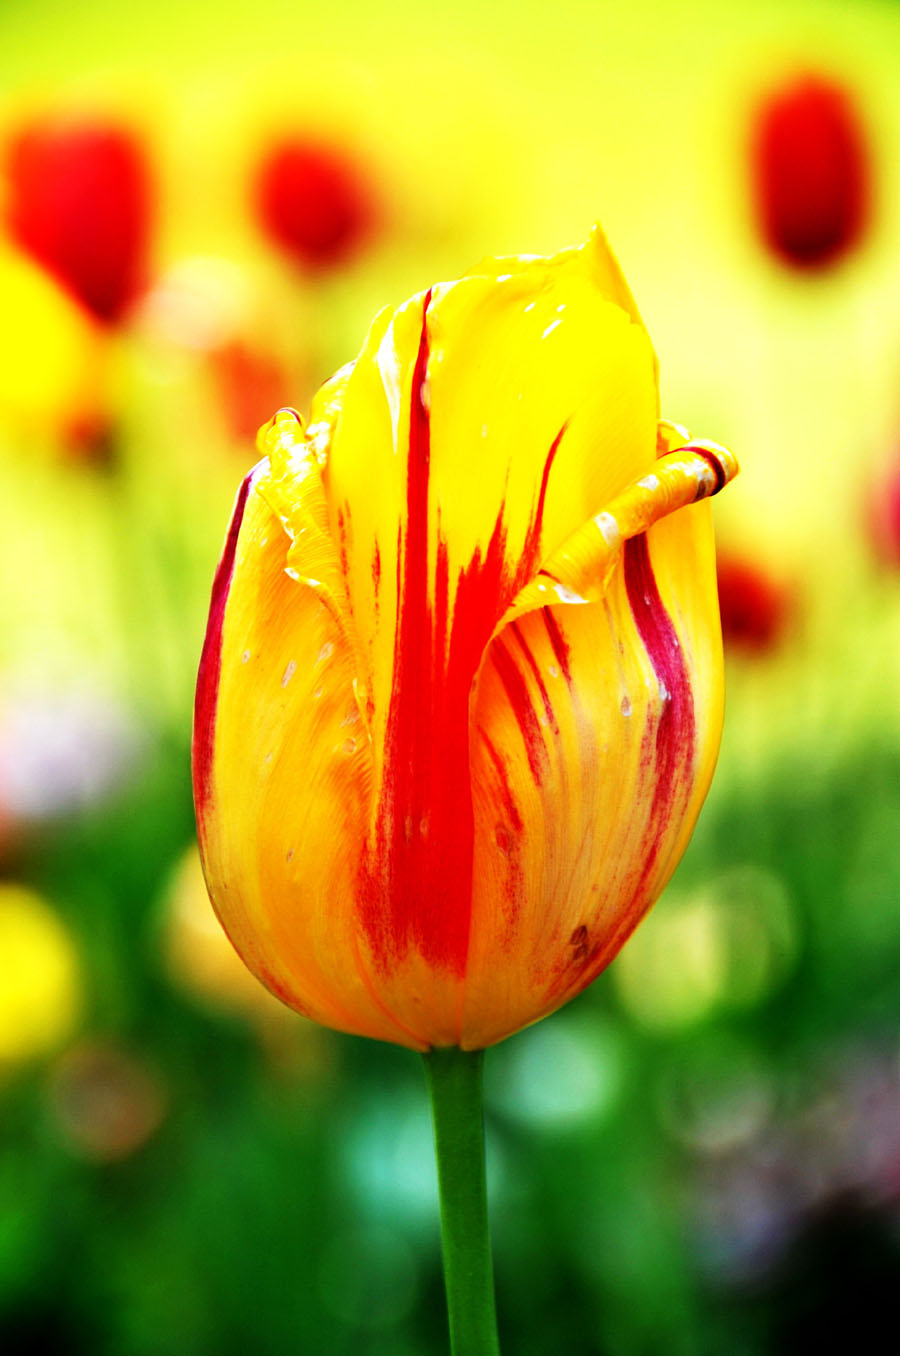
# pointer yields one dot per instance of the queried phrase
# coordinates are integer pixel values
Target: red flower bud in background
(314, 202)
(249, 382)
(79, 200)
(810, 168)
(226, 333)
(754, 607)
(883, 514)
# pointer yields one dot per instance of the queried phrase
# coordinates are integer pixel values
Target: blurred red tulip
(250, 383)
(811, 173)
(314, 202)
(79, 200)
(884, 515)
(753, 606)
(90, 439)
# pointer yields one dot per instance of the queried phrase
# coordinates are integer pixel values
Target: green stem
(455, 1085)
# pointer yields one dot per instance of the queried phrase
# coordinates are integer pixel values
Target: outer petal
(281, 776)
(595, 735)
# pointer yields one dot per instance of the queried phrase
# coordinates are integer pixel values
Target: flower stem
(455, 1085)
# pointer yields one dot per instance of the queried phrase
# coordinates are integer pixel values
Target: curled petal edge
(579, 570)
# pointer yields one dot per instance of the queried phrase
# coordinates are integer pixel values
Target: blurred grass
(250, 1216)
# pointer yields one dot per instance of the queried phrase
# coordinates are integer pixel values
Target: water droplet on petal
(626, 705)
(288, 673)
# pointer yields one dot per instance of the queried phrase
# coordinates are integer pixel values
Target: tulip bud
(248, 381)
(753, 606)
(461, 692)
(883, 514)
(313, 202)
(79, 201)
(811, 173)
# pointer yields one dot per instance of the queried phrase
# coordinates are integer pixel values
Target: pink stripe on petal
(206, 699)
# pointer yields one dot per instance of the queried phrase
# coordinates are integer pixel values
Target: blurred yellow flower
(40, 979)
(198, 954)
(52, 355)
(725, 946)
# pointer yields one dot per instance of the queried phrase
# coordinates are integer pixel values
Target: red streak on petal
(532, 543)
(671, 749)
(507, 799)
(416, 879)
(517, 695)
(206, 698)
(345, 541)
(415, 885)
(532, 663)
(558, 644)
(376, 576)
(667, 755)
(507, 835)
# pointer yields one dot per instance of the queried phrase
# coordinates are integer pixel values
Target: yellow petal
(52, 356)
(280, 773)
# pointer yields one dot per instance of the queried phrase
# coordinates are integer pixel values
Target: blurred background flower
(200, 212)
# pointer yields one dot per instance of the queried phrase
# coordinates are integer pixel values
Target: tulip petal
(281, 763)
(581, 711)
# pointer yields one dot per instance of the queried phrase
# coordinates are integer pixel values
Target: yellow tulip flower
(461, 693)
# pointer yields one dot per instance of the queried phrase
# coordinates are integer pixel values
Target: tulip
(461, 691)
(883, 514)
(754, 606)
(313, 202)
(246, 378)
(79, 200)
(811, 173)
